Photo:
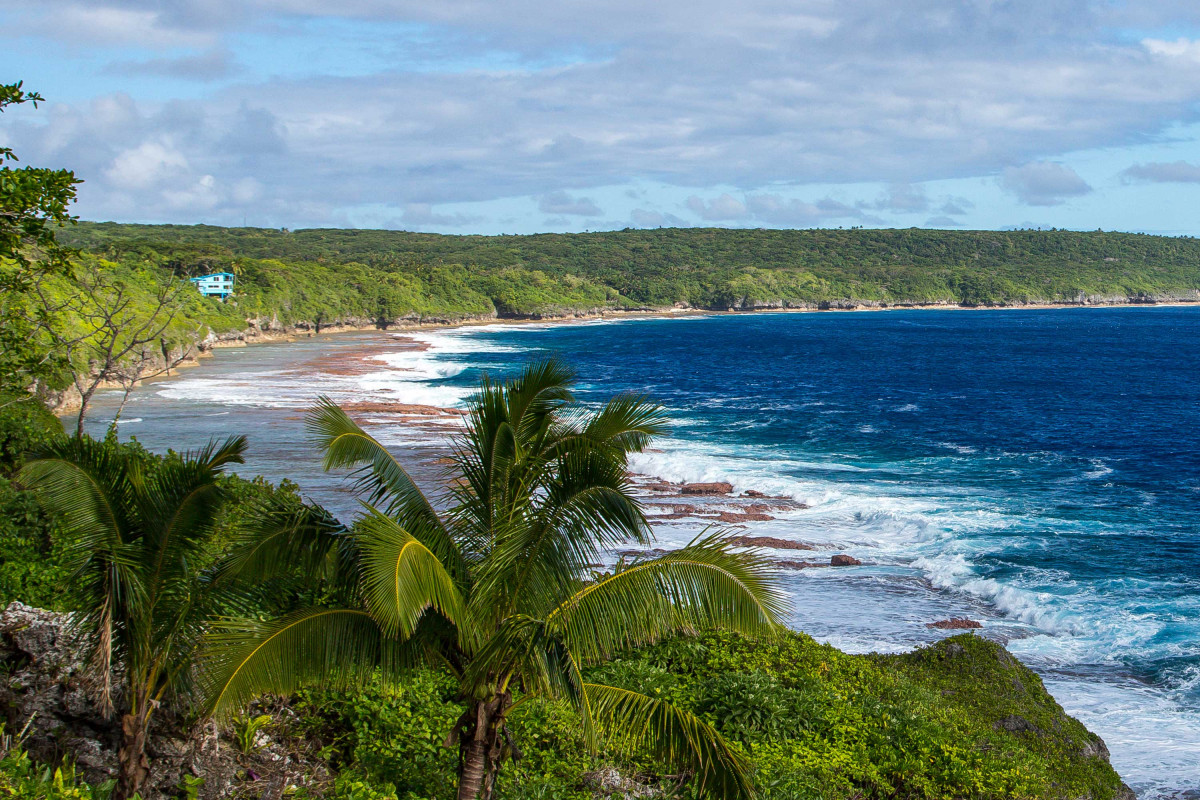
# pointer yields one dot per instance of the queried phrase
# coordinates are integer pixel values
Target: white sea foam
(406, 376)
(1154, 740)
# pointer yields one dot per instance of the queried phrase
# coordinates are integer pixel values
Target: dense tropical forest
(365, 272)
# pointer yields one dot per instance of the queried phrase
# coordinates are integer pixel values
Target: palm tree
(495, 588)
(137, 529)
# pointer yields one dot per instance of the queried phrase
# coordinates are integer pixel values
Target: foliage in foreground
(959, 719)
(494, 588)
(23, 779)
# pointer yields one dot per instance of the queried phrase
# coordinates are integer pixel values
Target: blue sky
(515, 116)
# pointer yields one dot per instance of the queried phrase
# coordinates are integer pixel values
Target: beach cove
(951, 454)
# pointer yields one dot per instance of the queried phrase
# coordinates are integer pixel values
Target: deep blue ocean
(1036, 470)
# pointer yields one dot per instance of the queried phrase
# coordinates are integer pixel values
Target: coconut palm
(499, 588)
(136, 529)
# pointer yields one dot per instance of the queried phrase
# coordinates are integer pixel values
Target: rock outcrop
(46, 700)
(706, 488)
(955, 624)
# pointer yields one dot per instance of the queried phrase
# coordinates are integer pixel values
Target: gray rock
(608, 782)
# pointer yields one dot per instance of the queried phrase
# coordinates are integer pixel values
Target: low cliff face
(46, 702)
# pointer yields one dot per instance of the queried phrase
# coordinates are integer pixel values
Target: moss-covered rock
(959, 719)
(1000, 692)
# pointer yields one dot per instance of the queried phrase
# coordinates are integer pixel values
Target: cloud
(955, 206)
(147, 165)
(422, 215)
(776, 210)
(719, 209)
(903, 198)
(1163, 172)
(942, 222)
(209, 65)
(1043, 183)
(563, 204)
(645, 218)
(609, 93)
(104, 23)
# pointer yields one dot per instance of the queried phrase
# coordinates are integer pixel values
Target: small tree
(498, 589)
(33, 203)
(137, 531)
(122, 336)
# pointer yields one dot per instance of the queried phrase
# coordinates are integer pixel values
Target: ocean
(1035, 470)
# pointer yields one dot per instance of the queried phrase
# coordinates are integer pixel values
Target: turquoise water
(1038, 471)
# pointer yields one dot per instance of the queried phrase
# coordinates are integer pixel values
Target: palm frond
(626, 424)
(247, 658)
(577, 514)
(83, 481)
(631, 720)
(706, 584)
(280, 535)
(531, 398)
(521, 646)
(401, 577)
(380, 479)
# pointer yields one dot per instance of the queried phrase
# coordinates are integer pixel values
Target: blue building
(219, 284)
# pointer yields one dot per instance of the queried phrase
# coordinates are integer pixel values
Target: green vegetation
(550, 274)
(314, 279)
(794, 719)
(137, 540)
(959, 719)
(22, 779)
(493, 591)
(33, 204)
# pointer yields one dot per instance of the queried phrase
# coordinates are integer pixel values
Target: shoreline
(350, 352)
(253, 334)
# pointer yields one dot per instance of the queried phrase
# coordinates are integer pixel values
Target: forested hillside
(430, 274)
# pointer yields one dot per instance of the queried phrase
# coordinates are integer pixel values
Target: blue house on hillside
(219, 284)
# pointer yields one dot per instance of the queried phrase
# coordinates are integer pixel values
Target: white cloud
(792, 212)
(761, 97)
(1177, 48)
(562, 203)
(719, 209)
(1043, 183)
(645, 218)
(1163, 172)
(208, 65)
(146, 166)
(106, 24)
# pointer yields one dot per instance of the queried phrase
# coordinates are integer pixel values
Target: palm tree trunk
(133, 763)
(473, 754)
(481, 751)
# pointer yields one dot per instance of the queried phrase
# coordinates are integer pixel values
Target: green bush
(22, 779)
(30, 566)
(24, 423)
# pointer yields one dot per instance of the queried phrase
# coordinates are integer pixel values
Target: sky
(516, 116)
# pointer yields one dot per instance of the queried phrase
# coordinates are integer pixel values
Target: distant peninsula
(322, 276)
(280, 283)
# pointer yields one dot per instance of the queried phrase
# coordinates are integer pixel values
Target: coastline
(332, 362)
(67, 402)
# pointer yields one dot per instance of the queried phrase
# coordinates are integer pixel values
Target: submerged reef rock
(706, 488)
(955, 624)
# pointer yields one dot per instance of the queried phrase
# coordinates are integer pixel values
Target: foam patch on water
(1154, 741)
(417, 377)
